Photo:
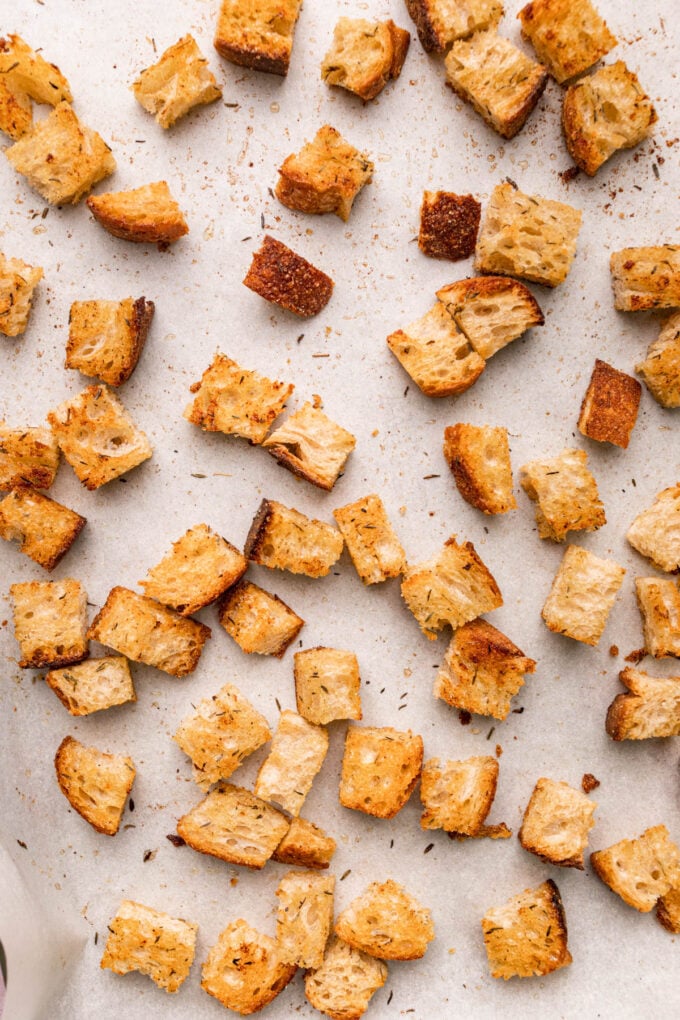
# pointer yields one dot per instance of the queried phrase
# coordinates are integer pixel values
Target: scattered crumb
(589, 782)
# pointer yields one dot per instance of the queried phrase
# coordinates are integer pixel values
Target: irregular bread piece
(645, 278)
(285, 539)
(305, 845)
(527, 936)
(610, 405)
(28, 456)
(436, 355)
(152, 942)
(565, 494)
(668, 911)
(312, 446)
(556, 823)
(245, 970)
(660, 370)
(16, 111)
(297, 753)
(457, 795)
(651, 709)
(659, 604)
(365, 55)
(640, 870)
(449, 225)
(26, 71)
(346, 981)
(327, 685)
(491, 311)
(582, 595)
(380, 768)
(258, 35)
(50, 622)
(45, 528)
(371, 540)
(280, 275)
(304, 917)
(325, 176)
(96, 784)
(441, 22)
(94, 685)
(655, 532)
(387, 922)
(569, 36)
(106, 338)
(479, 457)
(178, 81)
(146, 215)
(258, 621)
(18, 281)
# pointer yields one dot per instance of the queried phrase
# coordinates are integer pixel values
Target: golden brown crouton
(655, 532)
(491, 311)
(27, 72)
(388, 922)
(668, 911)
(457, 795)
(565, 494)
(233, 824)
(325, 176)
(312, 446)
(660, 370)
(640, 870)
(327, 685)
(16, 111)
(582, 595)
(146, 215)
(527, 936)
(151, 942)
(297, 753)
(93, 685)
(441, 22)
(380, 769)
(18, 281)
(610, 405)
(659, 604)
(304, 917)
(50, 622)
(284, 539)
(479, 457)
(365, 55)
(448, 225)
(28, 456)
(258, 621)
(283, 277)
(371, 540)
(45, 529)
(244, 970)
(258, 35)
(651, 709)
(569, 36)
(106, 338)
(556, 823)
(346, 981)
(305, 845)
(436, 354)
(176, 83)
(645, 278)
(95, 784)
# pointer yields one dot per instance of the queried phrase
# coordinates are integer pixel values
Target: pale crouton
(527, 236)
(312, 446)
(453, 587)
(95, 784)
(297, 753)
(651, 709)
(280, 275)
(482, 671)
(660, 370)
(244, 970)
(655, 532)
(659, 604)
(668, 911)
(176, 83)
(380, 768)
(220, 733)
(258, 35)
(569, 36)
(45, 529)
(610, 405)
(304, 917)
(565, 494)
(151, 942)
(556, 823)
(305, 845)
(436, 355)
(325, 176)
(106, 338)
(26, 71)
(258, 621)
(18, 281)
(582, 595)
(284, 539)
(346, 981)
(146, 215)
(28, 456)
(491, 311)
(527, 936)
(327, 685)
(371, 541)
(448, 225)
(499, 81)
(365, 55)
(16, 111)
(387, 922)
(644, 278)
(94, 685)
(50, 622)
(640, 870)
(441, 22)
(145, 631)
(479, 457)
(457, 795)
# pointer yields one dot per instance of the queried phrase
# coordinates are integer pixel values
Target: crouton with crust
(365, 55)
(344, 984)
(106, 338)
(304, 917)
(26, 71)
(146, 215)
(457, 796)
(649, 709)
(18, 281)
(569, 36)
(448, 225)
(151, 942)
(556, 823)
(527, 936)
(441, 22)
(28, 456)
(659, 604)
(179, 81)
(45, 529)
(668, 911)
(325, 176)
(311, 446)
(436, 355)
(646, 278)
(257, 35)
(565, 494)
(582, 595)
(655, 532)
(50, 622)
(281, 276)
(387, 922)
(660, 370)
(610, 405)
(479, 458)
(16, 111)
(258, 621)
(305, 845)
(245, 970)
(380, 768)
(327, 685)
(95, 784)
(285, 539)
(371, 541)
(640, 870)
(491, 311)
(93, 685)
(297, 753)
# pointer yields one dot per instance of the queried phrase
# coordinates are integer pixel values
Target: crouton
(668, 911)
(176, 83)
(453, 587)
(448, 225)
(151, 942)
(365, 55)
(491, 311)
(280, 275)
(258, 621)
(371, 541)
(645, 278)
(380, 768)
(27, 72)
(145, 631)
(659, 604)
(220, 733)
(582, 595)
(312, 446)
(499, 81)
(45, 529)
(457, 795)
(18, 281)
(565, 494)
(346, 981)
(61, 158)
(660, 370)
(482, 671)
(146, 215)
(527, 236)
(640, 870)
(50, 622)
(304, 917)
(387, 922)
(106, 338)
(95, 784)
(479, 457)
(28, 456)
(258, 35)
(284, 539)
(436, 355)
(610, 405)
(655, 532)
(305, 845)
(441, 22)
(325, 176)
(297, 753)
(16, 111)
(651, 709)
(94, 685)
(556, 823)
(569, 36)
(327, 685)
(98, 437)
(527, 936)
(245, 970)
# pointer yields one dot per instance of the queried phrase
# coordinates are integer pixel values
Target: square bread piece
(569, 36)
(327, 685)
(436, 355)
(245, 970)
(146, 215)
(441, 22)
(152, 942)
(365, 55)
(28, 456)
(50, 622)
(93, 685)
(198, 569)
(95, 784)
(659, 605)
(500, 82)
(220, 733)
(18, 281)
(457, 795)
(305, 845)
(106, 338)
(280, 275)
(325, 176)
(304, 917)
(258, 35)
(565, 494)
(176, 83)
(16, 109)
(371, 541)
(448, 225)
(45, 529)
(311, 446)
(145, 631)
(343, 986)
(556, 823)
(479, 458)
(25, 75)
(387, 922)
(640, 870)
(380, 768)
(527, 936)
(668, 911)
(645, 278)
(491, 311)
(297, 753)
(660, 370)
(258, 621)
(285, 539)
(655, 532)
(582, 595)
(98, 437)
(610, 405)
(527, 236)
(651, 709)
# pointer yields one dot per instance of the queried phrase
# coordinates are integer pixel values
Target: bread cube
(556, 823)
(325, 176)
(569, 36)
(176, 83)
(45, 529)
(245, 970)
(582, 595)
(448, 225)
(457, 795)
(565, 494)
(436, 355)
(305, 845)
(284, 539)
(257, 35)
(346, 981)
(371, 541)
(491, 311)
(297, 753)
(311, 446)
(16, 111)
(387, 922)
(26, 71)
(18, 281)
(651, 709)
(28, 456)
(479, 457)
(146, 215)
(365, 55)
(304, 917)
(655, 532)
(610, 405)
(380, 769)
(280, 275)
(645, 278)
(659, 604)
(527, 936)
(93, 685)
(95, 784)
(50, 622)
(151, 942)
(660, 370)
(327, 685)
(258, 621)
(668, 911)
(441, 22)
(106, 338)
(640, 870)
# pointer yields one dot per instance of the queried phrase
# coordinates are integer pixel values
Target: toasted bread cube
(258, 621)
(457, 795)
(371, 540)
(245, 970)
(659, 604)
(660, 370)
(28, 456)
(655, 532)
(640, 870)
(95, 784)
(565, 494)
(491, 311)
(312, 446)
(297, 753)
(233, 824)
(327, 685)
(26, 71)
(45, 529)
(284, 539)
(380, 769)
(479, 457)
(448, 225)
(106, 338)
(387, 922)
(668, 911)
(304, 917)
(569, 36)
(18, 281)
(582, 595)
(436, 355)
(16, 111)
(645, 278)
(441, 22)
(145, 631)
(152, 942)
(176, 83)
(346, 981)
(365, 55)
(50, 622)
(483, 670)
(258, 35)
(556, 823)
(305, 845)
(94, 685)
(610, 405)
(146, 215)
(280, 275)
(325, 176)
(651, 709)
(527, 936)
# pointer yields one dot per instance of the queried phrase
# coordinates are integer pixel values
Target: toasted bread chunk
(371, 540)
(304, 917)
(145, 631)
(94, 685)
(45, 529)
(297, 753)
(176, 83)
(645, 278)
(18, 281)
(365, 55)
(146, 215)
(527, 936)
(483, 670)
(457, 795)
(569, 36)
(660, 370)
(556, 823)
(305, 845)
(258, 621)
(668, 911)
(479, 457)
(436, 355)
(284, 539)
(441, 22)
(50, 622)
(106, 338)
(655, 532)
(152, 942)
(651, 709)
(491, 311)
(258, 35)
(28, 456)
(327, 685)
(582, 595)
(283, 277)
(95, 784)
(233, 824)
(16, 111)
(26, 71)
(448, 225)
(346, 981)
(387, 922)
(312, 446)
(325, 176)
(640, 870)
(380, 769)
(527, 236)
(245, 970)
(659, 604)
(610, 405)
(498, 80)
(565, 494)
